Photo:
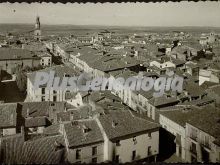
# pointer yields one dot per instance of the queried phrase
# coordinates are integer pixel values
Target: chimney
(85, 129)
(61, 128)
(114, 123)
(28, 112)
(23, 133)
(71, 116)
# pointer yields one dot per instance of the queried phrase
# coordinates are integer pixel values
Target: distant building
(37, 31)
(44, 94)
(40, 50)
(196, 132)
(11, 58)
(203, 137)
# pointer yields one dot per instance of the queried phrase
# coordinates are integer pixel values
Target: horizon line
(198, 26)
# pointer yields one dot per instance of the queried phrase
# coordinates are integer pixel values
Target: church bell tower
(37, 31)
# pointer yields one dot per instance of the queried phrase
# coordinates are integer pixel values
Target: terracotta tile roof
(178, 114)
(207, 120)
(163, 100)
(66, 116)
(52, 129)
(8, 115)
(36, 122)
(118, 124)
(60, 71)
(15, 54)
(47, 150)
(37, 109)
(77, 137)
(35, 46)
(193, 89)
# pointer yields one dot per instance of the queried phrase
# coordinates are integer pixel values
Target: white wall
(86, 154)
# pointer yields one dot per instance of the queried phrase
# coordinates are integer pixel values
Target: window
(54, 91)
(193, 134)
(149, 135)
(94, 150)
(54, 98)
(43, 98)
(193, 159)
(118, 143)
(66, 75)
(206, 141)
(43, 90)
(94, 160)
(193, 148)
(149, 150)
(78, 154)
(133, 155)
(117, 158)
(134, 140)
(1, 132)
(68, 95)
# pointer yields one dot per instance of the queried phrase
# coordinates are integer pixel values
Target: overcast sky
(125, 14)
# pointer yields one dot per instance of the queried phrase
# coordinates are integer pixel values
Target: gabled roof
(163, 100)
(45, 150)
(16, 54)
(36, 122)
(60, 71)
(207, 120)
(81, 133)
(39, 109)
(8, 115)
(119, 124)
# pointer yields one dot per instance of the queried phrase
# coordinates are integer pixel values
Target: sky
(115, 14)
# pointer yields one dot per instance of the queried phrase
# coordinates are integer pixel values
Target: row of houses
(196, 132)
(72, 136)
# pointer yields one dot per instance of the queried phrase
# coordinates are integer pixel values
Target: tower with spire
(37, 30)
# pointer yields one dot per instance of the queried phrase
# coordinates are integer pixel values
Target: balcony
(193, 137)
(206, 145)
(193, 150)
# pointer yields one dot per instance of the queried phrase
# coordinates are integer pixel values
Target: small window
(54, 98)
(94, 160)
(134, 140)
(149, 135)
(43, 90)
(149, 150)
(66, 75)
(118, 143)
(133, 155)
(78, 154)
(94, 150)
(117, 158)
(43, 98)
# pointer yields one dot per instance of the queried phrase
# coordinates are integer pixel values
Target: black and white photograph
(131, 82)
